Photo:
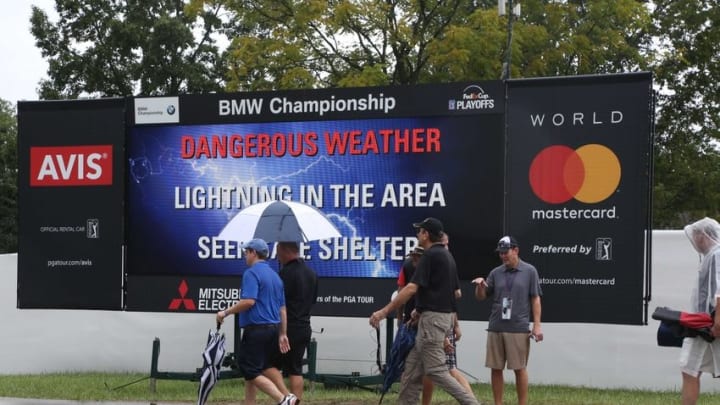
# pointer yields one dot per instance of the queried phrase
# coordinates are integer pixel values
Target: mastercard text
(569, 213)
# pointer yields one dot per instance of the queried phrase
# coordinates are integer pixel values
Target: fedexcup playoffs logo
(473, 98)
(589, 174)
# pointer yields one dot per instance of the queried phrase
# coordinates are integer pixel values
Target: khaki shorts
(698, 356)
(510, 348)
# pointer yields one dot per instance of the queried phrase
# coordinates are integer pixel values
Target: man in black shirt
(300, 283)
(432, 284)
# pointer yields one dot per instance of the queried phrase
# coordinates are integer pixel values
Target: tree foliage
(103, 48)
(688, 118)
(8, 178)
(317, 43)
(326, 43)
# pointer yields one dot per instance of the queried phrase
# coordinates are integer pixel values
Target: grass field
(105, 387)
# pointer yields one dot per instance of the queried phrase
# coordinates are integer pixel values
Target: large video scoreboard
(122, 200)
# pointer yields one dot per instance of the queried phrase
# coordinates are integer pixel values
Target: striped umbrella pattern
(212, 360)
(279, 221)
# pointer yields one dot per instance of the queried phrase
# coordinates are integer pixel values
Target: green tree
(101, 48)
(8, 178)
(315, 43)
(688, 114)
(324, 43)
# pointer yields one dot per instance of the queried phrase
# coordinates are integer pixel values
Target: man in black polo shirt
(432, 284)
(300, 283)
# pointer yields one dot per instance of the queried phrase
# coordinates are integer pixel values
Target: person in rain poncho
(697, 355)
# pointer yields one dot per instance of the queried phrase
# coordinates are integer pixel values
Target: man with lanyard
(264, 323)
(432, 286)
(514, 288)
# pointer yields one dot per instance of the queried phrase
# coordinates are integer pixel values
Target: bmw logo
(171, 109)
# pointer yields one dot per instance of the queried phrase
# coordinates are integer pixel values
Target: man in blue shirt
(263, 318)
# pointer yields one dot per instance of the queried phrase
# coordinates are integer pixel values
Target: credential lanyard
(509, 280)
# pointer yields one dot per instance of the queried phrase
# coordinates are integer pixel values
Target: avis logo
(177, 303)
(89, 165)
(589, 174)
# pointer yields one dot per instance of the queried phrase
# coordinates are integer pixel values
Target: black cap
(432, 225)
(506, 243)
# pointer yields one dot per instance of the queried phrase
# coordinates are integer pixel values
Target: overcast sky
(21, 67)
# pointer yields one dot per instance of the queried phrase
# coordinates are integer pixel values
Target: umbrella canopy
(212, 359)
(682, 324)
(279, 221)
(403, 343)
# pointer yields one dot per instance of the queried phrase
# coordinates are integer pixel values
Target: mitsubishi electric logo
(187, 303)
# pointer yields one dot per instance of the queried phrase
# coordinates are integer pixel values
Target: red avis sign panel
(87, 165)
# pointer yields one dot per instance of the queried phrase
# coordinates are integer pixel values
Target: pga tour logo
(603, 249)
(93, 228)
(88, 165)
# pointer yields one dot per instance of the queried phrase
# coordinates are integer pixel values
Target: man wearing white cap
(514, 288)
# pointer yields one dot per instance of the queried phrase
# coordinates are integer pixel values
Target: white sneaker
(290, 399)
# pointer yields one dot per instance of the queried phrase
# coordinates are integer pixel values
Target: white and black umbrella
(212, 360)
(279, 221)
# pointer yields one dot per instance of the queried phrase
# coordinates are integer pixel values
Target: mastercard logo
(589, 174)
